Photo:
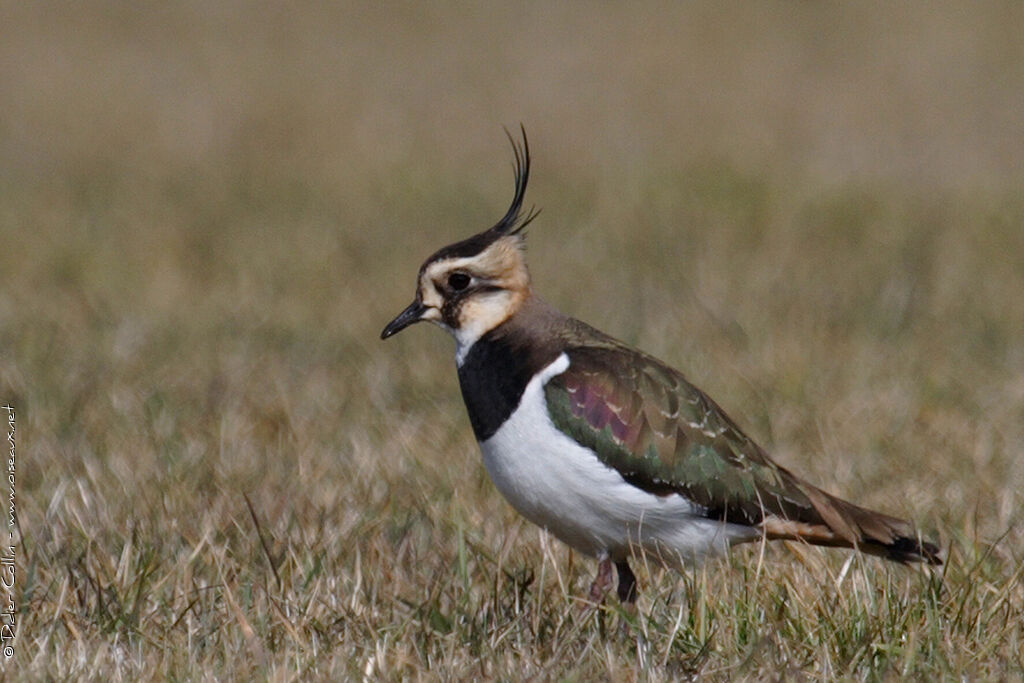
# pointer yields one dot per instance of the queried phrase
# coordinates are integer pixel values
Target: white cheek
(479, 316)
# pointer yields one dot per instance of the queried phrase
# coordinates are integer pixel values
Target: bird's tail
(843, 524)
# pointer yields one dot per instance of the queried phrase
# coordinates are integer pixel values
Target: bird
(606, 447)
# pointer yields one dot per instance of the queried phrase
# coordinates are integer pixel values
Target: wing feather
(666, 436)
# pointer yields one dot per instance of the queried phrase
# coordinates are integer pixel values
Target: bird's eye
(458, 281)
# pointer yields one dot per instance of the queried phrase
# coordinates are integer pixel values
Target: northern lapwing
(606, 447)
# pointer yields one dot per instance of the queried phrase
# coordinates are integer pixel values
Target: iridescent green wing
(666, 436)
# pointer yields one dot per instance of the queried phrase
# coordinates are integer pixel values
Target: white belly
(561, 486)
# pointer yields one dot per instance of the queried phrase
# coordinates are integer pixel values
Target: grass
(209, 213)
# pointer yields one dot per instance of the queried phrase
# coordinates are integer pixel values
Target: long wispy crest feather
(513, 222)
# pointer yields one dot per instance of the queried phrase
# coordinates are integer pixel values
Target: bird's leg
(627, 583)
(603, 583)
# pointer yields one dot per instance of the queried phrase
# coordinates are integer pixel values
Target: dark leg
(603, 583)
(627, 583)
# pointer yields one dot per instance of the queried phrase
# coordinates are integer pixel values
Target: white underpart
(561, 486)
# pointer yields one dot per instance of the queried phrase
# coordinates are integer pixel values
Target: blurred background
(208, 211)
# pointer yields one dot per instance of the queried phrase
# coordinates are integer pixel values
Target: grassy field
(208, 211)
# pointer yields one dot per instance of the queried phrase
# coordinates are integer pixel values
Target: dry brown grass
(209, 212)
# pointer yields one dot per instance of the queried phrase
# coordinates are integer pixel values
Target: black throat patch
(493, 377)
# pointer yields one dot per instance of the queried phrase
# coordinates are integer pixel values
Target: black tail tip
(907, 549)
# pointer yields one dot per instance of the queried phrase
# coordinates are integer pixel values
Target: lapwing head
(472, 286)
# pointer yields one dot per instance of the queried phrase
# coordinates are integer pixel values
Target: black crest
(512, 222)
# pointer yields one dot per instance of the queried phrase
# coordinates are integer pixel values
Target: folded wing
(664, 435)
